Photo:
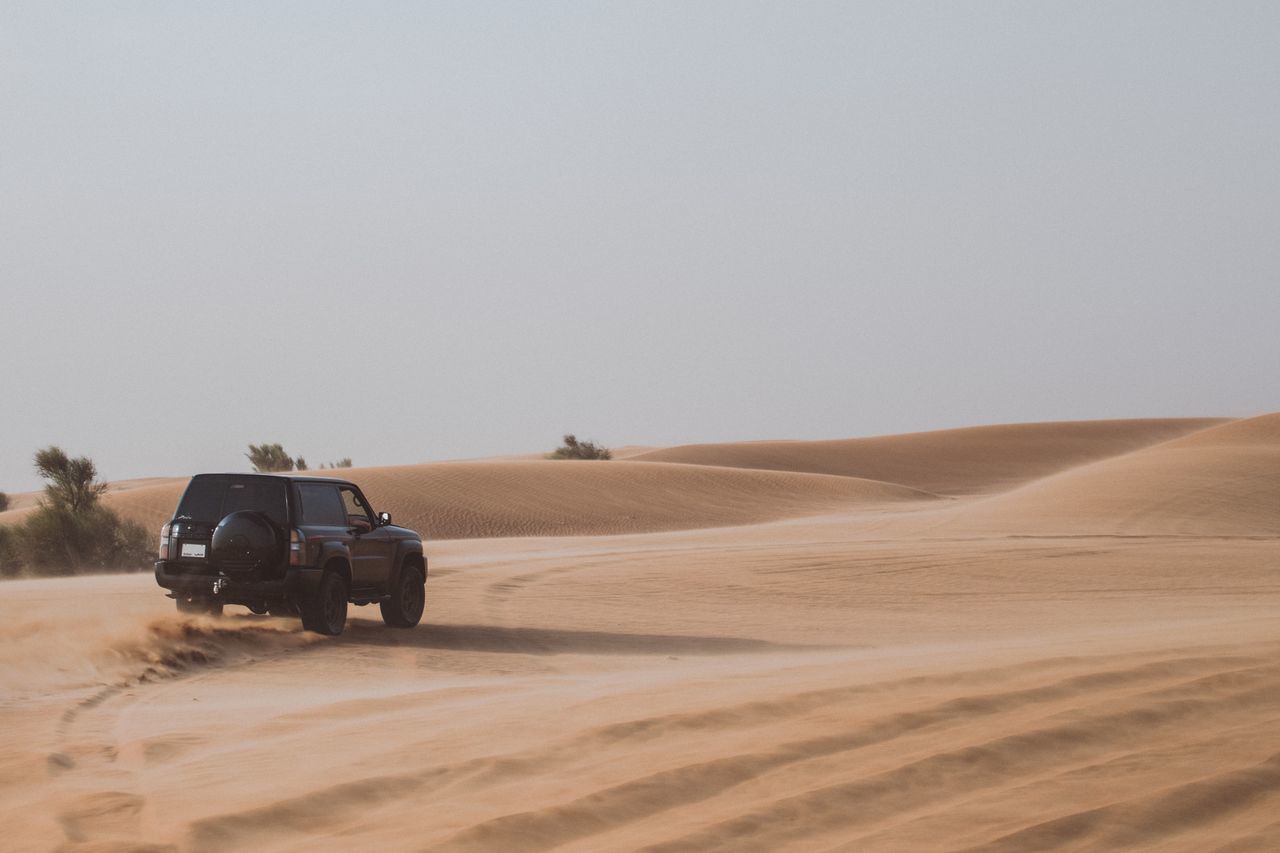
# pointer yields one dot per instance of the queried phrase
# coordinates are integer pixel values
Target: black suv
(289, 545)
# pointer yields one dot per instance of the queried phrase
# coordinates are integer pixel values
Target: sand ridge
(715, 485)
(1224, 480)
(696, 486)
(969, 460)
(464, 500)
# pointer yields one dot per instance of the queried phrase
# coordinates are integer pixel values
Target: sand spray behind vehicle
(168, 645)
(118, 641)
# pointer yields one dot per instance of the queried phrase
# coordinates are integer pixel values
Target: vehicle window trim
(361, 499)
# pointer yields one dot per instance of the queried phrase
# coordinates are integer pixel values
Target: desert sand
(1025, 637)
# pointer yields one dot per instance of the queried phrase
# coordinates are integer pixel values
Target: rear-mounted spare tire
(244, 541)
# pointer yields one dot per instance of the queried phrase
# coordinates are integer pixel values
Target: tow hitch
(219, 585)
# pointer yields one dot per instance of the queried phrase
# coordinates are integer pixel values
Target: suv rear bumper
(298, 584)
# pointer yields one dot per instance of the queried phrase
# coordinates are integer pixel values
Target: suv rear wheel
(408, 599)
(326, 612)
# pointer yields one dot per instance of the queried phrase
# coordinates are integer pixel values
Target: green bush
(54, 540)
(8, 559)
(72, 483)
(70, 531)
(574, 449)
(272, 458)
(267, 458)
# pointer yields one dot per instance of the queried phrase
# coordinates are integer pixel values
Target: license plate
(192, 550)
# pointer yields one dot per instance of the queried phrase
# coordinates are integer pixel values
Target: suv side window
(355, 508)
(321, 505)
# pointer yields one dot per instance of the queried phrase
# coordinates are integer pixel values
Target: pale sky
(412, 231)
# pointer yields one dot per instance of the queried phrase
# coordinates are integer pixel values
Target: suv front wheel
(326, 612)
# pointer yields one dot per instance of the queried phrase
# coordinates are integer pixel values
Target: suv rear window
(212, 497)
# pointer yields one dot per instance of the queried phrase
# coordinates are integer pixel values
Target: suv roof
(301, 478)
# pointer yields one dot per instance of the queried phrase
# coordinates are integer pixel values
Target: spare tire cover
(245, 537)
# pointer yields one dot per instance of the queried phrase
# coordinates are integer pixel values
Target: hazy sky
(413, 231)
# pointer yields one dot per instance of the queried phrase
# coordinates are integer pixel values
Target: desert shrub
(8, 559)
(4, 502)
(70, 483)
(54, 540)
(574, 449)
(300, 464)
(267, 458)
(344, 462)
(70, 531)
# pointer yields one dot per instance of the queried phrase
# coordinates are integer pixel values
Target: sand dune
(703, 485)
(453, 501)
(1224, 480)
(954, 462)
(1086, 660)
(456, 500)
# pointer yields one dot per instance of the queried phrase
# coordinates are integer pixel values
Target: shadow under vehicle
(289, 545)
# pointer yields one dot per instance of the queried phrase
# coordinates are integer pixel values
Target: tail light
(297, 547)
(165, 541)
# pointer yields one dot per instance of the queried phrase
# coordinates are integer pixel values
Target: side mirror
(384, 518)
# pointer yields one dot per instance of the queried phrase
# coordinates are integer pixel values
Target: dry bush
(55, 541)
(70, 531)
(574, 449)
(269, 458)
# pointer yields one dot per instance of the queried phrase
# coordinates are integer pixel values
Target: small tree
(4, 502)
(300, 464)
(71, 482)
(574, 449)
(71, 530)
(266, 458)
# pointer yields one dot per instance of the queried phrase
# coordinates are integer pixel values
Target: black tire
(326, 613)
(199, 606)
(408, 599)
